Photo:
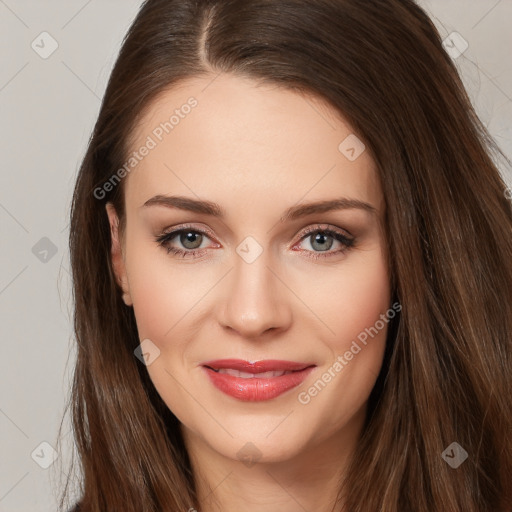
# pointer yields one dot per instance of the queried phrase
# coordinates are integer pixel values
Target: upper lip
(267, 365)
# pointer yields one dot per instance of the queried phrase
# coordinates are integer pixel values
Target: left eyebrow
(292, 213)
(342, 203)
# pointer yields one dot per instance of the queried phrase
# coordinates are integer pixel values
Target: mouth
(246, 369)
(261, 380)
(248, 375)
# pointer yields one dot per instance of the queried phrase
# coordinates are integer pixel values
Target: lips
(248, 375)
(268, 365)
(257, 381)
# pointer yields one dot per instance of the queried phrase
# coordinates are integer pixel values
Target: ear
(117, 255)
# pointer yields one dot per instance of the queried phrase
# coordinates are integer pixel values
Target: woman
(291, 255)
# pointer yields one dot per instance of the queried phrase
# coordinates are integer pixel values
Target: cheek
(161, 293)
(352, 298)
(358, 300)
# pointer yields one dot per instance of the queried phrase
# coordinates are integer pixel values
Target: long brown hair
(447, 372)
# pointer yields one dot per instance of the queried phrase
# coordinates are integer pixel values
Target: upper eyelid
(328, 227)
(179, 229)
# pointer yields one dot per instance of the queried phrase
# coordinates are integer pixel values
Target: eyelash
(164, 239)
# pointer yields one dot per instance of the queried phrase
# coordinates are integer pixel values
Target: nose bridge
(255, 299)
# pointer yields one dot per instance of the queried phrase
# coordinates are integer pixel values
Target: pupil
(321, 239)
(189, 238)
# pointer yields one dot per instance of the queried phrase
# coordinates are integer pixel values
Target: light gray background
(48, 108)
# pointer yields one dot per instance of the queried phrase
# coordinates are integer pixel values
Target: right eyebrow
(186, 203)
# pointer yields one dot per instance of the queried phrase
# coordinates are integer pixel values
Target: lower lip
(255, 389)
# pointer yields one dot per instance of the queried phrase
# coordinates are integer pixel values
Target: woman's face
(255, 283)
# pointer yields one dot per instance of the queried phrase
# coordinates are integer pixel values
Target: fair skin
(256, 150)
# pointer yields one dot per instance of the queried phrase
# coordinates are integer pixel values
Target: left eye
(321, 240)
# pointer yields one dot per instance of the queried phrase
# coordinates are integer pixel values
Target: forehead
(230, 138)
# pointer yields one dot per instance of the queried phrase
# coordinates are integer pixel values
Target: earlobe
(117, 254)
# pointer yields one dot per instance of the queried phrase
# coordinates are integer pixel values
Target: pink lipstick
(261, 380)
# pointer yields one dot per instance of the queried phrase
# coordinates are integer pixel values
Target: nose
(255, 299)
